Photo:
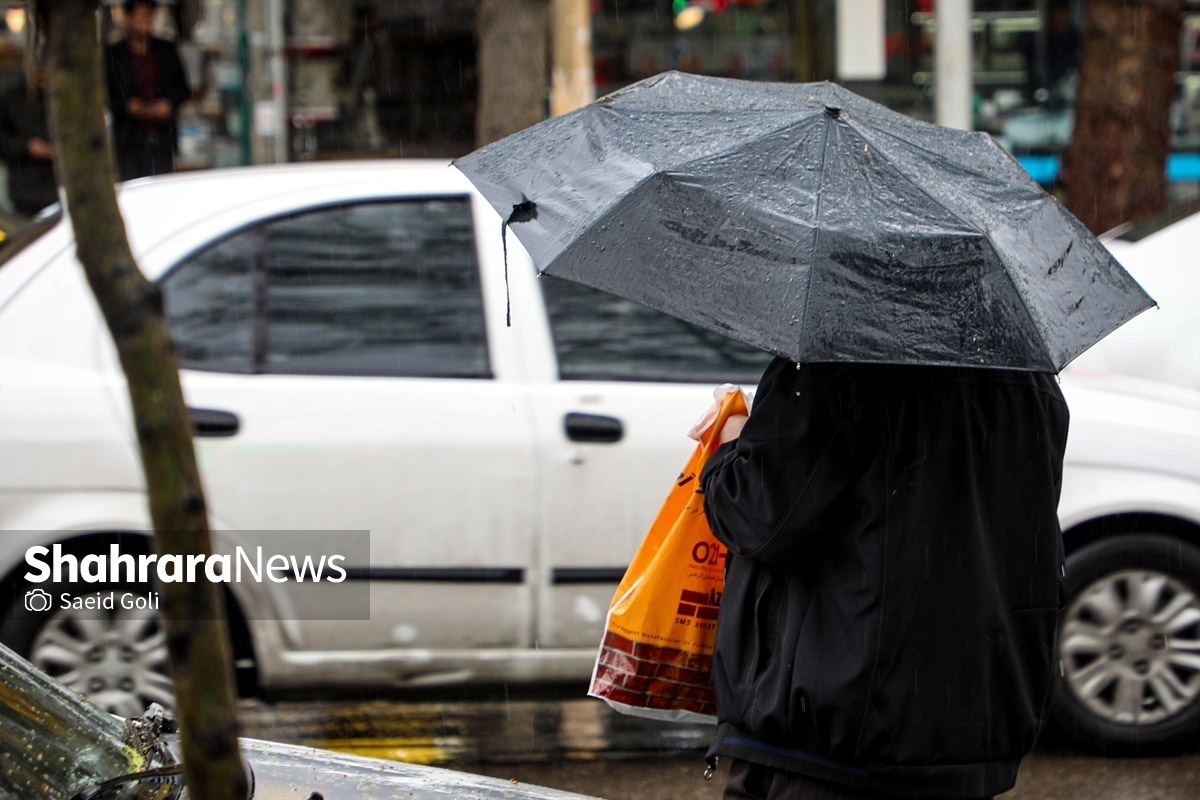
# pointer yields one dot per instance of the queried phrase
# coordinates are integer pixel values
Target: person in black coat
(26, 147)
(889, 616)
(146, 85)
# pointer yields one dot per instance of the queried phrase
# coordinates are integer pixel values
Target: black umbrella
(810, 222)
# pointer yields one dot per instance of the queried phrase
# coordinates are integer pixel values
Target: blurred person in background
(25, 145)
(146, 85)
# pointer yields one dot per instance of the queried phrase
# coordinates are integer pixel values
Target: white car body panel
(1160, 344)
(1132, 447)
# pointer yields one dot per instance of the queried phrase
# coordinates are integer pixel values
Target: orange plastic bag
(656, 657)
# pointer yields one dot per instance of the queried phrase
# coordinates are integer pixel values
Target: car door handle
(209, 422)
(593, 428)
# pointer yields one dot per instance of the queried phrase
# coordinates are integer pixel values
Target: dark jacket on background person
(31, 181)
(172, 85)
(889, 614)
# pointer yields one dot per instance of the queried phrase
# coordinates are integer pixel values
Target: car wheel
(1129, 643)
(117, 658)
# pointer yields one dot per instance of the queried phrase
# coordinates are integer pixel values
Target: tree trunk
(132, 307)
(1114, 169)
(512, 67)
(815, 56)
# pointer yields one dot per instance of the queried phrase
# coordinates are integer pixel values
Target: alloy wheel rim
(117, 659)
(1130, 647)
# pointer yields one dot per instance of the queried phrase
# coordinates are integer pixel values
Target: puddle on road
(463, 732)
(581, 745)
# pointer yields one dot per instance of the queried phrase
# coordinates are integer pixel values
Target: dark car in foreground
(55, 745)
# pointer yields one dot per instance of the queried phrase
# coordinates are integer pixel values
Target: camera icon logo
(38, 600)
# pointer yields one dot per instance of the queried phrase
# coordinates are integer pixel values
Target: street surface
(581, 746)
(1044, 776)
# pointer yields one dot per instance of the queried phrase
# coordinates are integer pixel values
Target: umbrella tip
(833, 112)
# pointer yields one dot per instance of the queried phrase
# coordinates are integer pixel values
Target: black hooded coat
(895, 574)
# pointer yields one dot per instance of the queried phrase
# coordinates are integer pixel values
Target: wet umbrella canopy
(809, 222)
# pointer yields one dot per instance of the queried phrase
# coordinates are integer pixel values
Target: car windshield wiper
(172, 774)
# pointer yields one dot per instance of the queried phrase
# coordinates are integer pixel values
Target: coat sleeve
(174, 84)
(13, 141)
(768, 493)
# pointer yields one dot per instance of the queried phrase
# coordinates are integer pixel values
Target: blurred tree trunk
(813, 51)
(132, 307)
(1114, 169)
(513, 66)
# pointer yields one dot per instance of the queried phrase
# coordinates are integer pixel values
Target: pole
(953, 81)
(572, 83)
(279, 77)
(243, 45)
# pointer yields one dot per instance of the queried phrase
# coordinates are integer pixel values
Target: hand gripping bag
(656, 656)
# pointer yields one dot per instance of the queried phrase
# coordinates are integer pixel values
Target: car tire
(117, 657)
(1129, 646)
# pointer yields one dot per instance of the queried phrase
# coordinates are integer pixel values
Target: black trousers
(141, 157)
(749, 781)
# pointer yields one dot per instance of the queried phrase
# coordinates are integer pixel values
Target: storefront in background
(882, 48)
(634, 39)
(325, 79)
(391, 78)
(290, 80)
(1025, 56)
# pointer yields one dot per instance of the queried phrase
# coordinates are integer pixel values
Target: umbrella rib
(984, 138)
(966, 223)
(736, 146)
(816, 225)
(882, 153)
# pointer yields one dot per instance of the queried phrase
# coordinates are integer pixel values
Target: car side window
(209, 305)
(599, 336)
(387, 288)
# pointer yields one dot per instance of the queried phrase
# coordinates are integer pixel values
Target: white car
(359, 357)
(1161, 344)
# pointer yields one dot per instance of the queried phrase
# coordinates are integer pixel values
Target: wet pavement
(581, 746)
(465, 732)
(1043, 776)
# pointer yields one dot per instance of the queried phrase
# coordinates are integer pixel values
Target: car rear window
(1140, 230)
(386, 288)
